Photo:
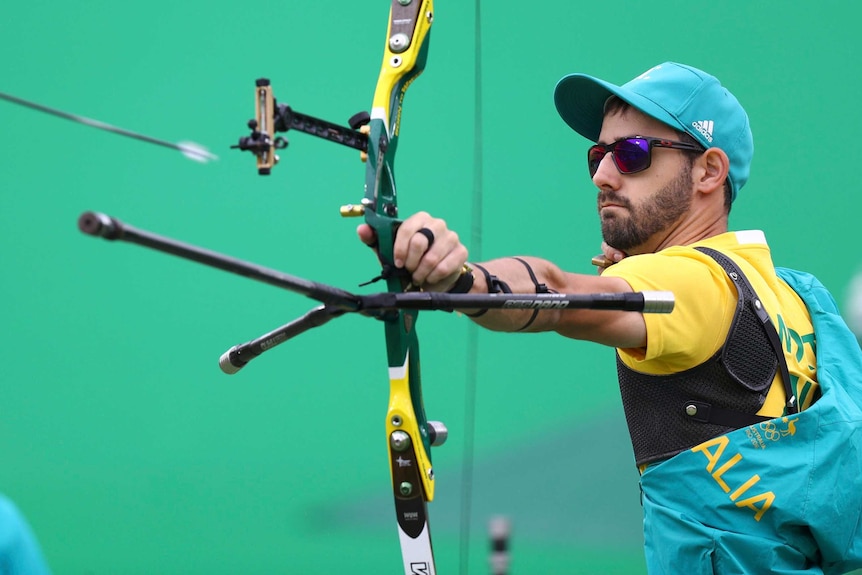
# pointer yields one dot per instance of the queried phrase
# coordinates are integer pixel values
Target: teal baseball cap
(683, 97)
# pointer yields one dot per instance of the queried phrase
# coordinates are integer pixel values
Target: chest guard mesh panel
(737, 378)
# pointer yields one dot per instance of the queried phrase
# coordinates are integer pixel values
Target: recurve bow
(409, 434)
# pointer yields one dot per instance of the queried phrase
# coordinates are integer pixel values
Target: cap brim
(580, 101)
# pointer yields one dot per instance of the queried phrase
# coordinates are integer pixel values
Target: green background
(120, 439)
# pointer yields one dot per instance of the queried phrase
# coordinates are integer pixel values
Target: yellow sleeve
(702, 313)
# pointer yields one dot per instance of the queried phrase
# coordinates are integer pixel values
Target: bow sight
(272, 117)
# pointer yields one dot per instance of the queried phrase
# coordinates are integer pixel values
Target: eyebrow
(601, 143)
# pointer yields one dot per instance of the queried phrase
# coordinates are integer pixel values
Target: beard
(655, 215)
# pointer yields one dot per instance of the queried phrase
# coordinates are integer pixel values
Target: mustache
(612, 197)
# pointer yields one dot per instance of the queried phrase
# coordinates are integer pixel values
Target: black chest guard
(667, 414)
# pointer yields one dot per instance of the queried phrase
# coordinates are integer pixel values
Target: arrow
(191, 150)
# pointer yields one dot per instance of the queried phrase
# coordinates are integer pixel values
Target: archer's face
(638, 210)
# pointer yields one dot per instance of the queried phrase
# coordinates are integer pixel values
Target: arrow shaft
(99, 125)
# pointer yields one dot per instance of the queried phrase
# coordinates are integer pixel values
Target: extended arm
(436, 267)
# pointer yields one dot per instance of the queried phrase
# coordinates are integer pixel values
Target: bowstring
(472, 347)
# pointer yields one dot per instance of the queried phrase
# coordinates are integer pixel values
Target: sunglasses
(632, 155)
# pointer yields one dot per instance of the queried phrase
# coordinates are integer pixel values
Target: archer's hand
(433, 265)
(608, 257)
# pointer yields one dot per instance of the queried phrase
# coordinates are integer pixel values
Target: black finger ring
(429, 235)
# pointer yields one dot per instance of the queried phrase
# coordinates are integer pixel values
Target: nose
(607, 176)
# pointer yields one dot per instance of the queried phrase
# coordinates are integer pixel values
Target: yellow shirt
(705, 305)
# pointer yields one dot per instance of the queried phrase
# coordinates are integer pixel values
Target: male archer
(672, 151)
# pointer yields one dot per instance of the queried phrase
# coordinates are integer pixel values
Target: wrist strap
(464, 282)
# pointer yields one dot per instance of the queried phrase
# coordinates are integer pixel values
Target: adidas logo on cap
(704, 127)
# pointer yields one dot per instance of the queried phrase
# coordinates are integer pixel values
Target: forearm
(614, 328)
(518, 275)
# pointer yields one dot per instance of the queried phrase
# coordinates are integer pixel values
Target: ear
(712, 168)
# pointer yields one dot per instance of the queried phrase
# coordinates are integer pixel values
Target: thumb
(367, 235)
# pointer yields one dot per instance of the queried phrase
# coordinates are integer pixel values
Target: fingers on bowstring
(601, 262)
(607, 258)
(612, 254)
